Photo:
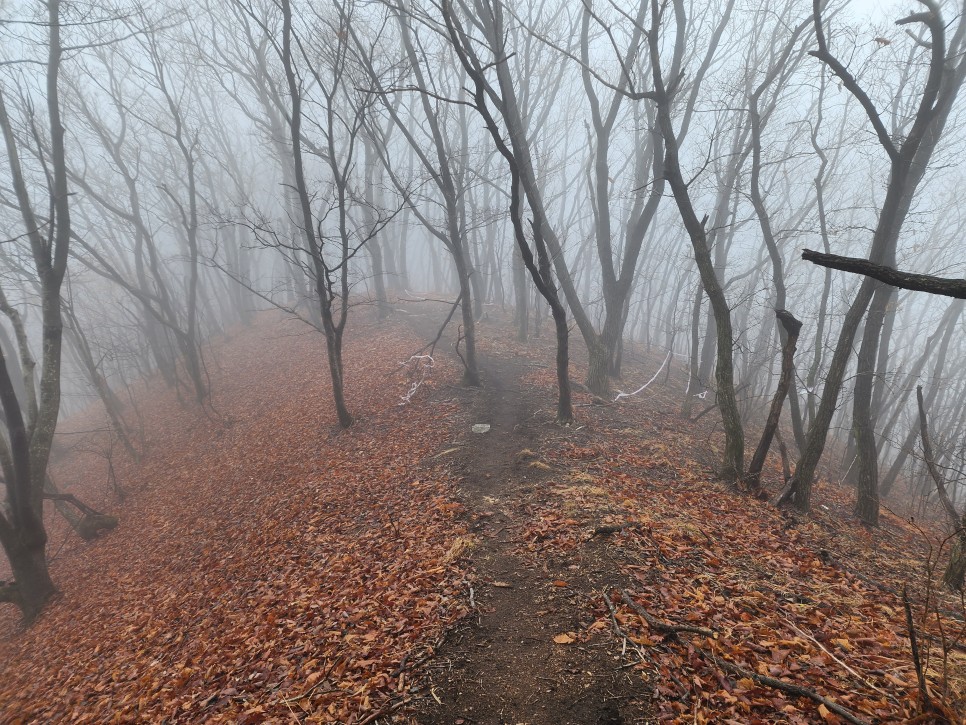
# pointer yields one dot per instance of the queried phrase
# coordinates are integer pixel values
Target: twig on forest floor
(385, 710)
(657, 547)
(625, 638)
(848, 669)
(641, 653)
(786, 687)
(311, 691)
(664, 627)
(322, 680)
(608, 529)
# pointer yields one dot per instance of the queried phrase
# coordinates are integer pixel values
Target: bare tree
(441, 165)
(733, 455)
(908, 161)
(171, 308)
(344, 108)
(516, 153)
(30, 427)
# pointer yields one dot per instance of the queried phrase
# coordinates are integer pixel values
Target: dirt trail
(503, 666)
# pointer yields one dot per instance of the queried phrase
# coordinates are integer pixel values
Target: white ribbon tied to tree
(621, 394)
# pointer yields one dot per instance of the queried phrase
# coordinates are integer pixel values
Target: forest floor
(517, 657)
(269, 568)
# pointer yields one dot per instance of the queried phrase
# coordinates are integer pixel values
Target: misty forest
(482, 361)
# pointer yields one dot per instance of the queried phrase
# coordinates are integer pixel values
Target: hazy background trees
(650, 172)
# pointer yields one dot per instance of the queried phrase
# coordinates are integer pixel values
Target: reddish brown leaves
(265, 566)
(810, 602)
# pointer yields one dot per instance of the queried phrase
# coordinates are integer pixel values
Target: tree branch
(904, 280)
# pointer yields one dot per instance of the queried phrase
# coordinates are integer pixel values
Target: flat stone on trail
(481, 428)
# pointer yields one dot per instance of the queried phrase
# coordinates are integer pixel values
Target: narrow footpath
(519, 658)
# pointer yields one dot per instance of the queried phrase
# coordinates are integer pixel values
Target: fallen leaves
(812, 602)
(268, 568)
(263, 566)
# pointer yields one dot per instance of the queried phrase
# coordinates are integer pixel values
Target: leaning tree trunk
(522, 187)
(956, 569)
(87, 522)
(733, 456)
(792, 328)
(955, 573)
(732, 462)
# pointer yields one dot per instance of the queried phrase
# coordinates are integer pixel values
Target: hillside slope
(265, 564)
(270, 568)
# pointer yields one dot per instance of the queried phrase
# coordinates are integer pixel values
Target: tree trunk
(956, 569)
(792, 328)
(22, 530)
(522, 296)
(333, 347)
(863, 419)
(373, 245)
(565, 412)
(471, 371)
(908, 164)
(598, 366)
(955, 573)
(695, 386)
(34, 587)
(733, 456)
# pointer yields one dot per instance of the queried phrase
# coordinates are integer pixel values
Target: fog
(639, 181)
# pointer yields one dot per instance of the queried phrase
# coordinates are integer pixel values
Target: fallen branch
(431, 346)
(452, 310)
(893, 277)
(786, 687)
(92, 523)
(663, 627)
(792, 327)
(643, 655)
(385, 710)
(641, 652)
(72, 499)
(916, 662)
